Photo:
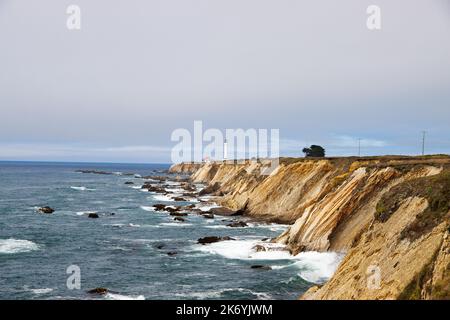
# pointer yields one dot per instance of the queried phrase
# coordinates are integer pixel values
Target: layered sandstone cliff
(358, 206)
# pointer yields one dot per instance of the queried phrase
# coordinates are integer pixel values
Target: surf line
(186, 310)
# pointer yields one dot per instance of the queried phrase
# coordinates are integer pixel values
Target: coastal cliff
(389, 214)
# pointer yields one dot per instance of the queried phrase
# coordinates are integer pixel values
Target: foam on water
(82, 213)
(115, 296)
(146, 208)
(37, 291)
(175, 224)
(315, 267)
(8, 246)
(162, 197)
(217, 294)
(206, 207)
(82, 188)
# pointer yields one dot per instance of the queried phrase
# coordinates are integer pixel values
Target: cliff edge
(390, 215)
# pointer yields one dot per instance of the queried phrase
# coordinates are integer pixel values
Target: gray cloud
(139, 69)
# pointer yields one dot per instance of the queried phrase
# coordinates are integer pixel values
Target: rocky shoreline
(341, 205)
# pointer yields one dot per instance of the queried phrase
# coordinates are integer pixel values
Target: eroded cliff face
(338, 205)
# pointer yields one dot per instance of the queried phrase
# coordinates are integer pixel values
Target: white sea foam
(219, 294)
(270, 226)
(82, 213)
(174, 224)
(146, 208)
(243, 249)
(315, 267)
(173, 183)
(162, 197)
(41, 291)
(174, 190)
(17, 246)
(117, 225)
(137, 187)
(115, 296)
(82, 188)
(38, 291)
(134, 225)
(207, 207)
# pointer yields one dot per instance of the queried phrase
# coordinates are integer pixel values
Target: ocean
(133, 251)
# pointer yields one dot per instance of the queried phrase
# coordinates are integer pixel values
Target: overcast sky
(139, 69)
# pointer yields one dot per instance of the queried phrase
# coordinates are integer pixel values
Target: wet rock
(159, 246)
(46, 209)
(261, 267)
(151, 188)
(129, 182)
(259, 248)
(93, 172)
(222, 211)
(209, 189)
(237, 224)
(208, 216)
(179, 199)
(179, 219)
(178, 214)
(159, 207)
(93, 215)
(171, 209)
(213, 239)
(100, 291)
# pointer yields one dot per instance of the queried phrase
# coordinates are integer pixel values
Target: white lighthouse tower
(225, 150)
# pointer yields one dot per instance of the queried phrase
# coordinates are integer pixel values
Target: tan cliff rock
(379, 210)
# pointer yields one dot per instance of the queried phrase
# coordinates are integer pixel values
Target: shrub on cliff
(314, 151)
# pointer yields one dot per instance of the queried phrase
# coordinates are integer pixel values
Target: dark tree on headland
(314, 151)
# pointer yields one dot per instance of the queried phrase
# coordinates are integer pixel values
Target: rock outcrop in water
(389, 214)
(46, 210)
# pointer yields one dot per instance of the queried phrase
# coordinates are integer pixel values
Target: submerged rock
(208, 216)
(129, 182)
(179, 199)
(171, 209)
(259, 248)
(178, 214)
(213, 239)
(46, 209)
(151, 188)
(93, 215)
(261, 267)
(172, 253)
(179, 219)
(94, 172)
(159, 207)
(237, 224)
(98, 291)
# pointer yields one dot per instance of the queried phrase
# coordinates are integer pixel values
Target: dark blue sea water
(122, 252)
